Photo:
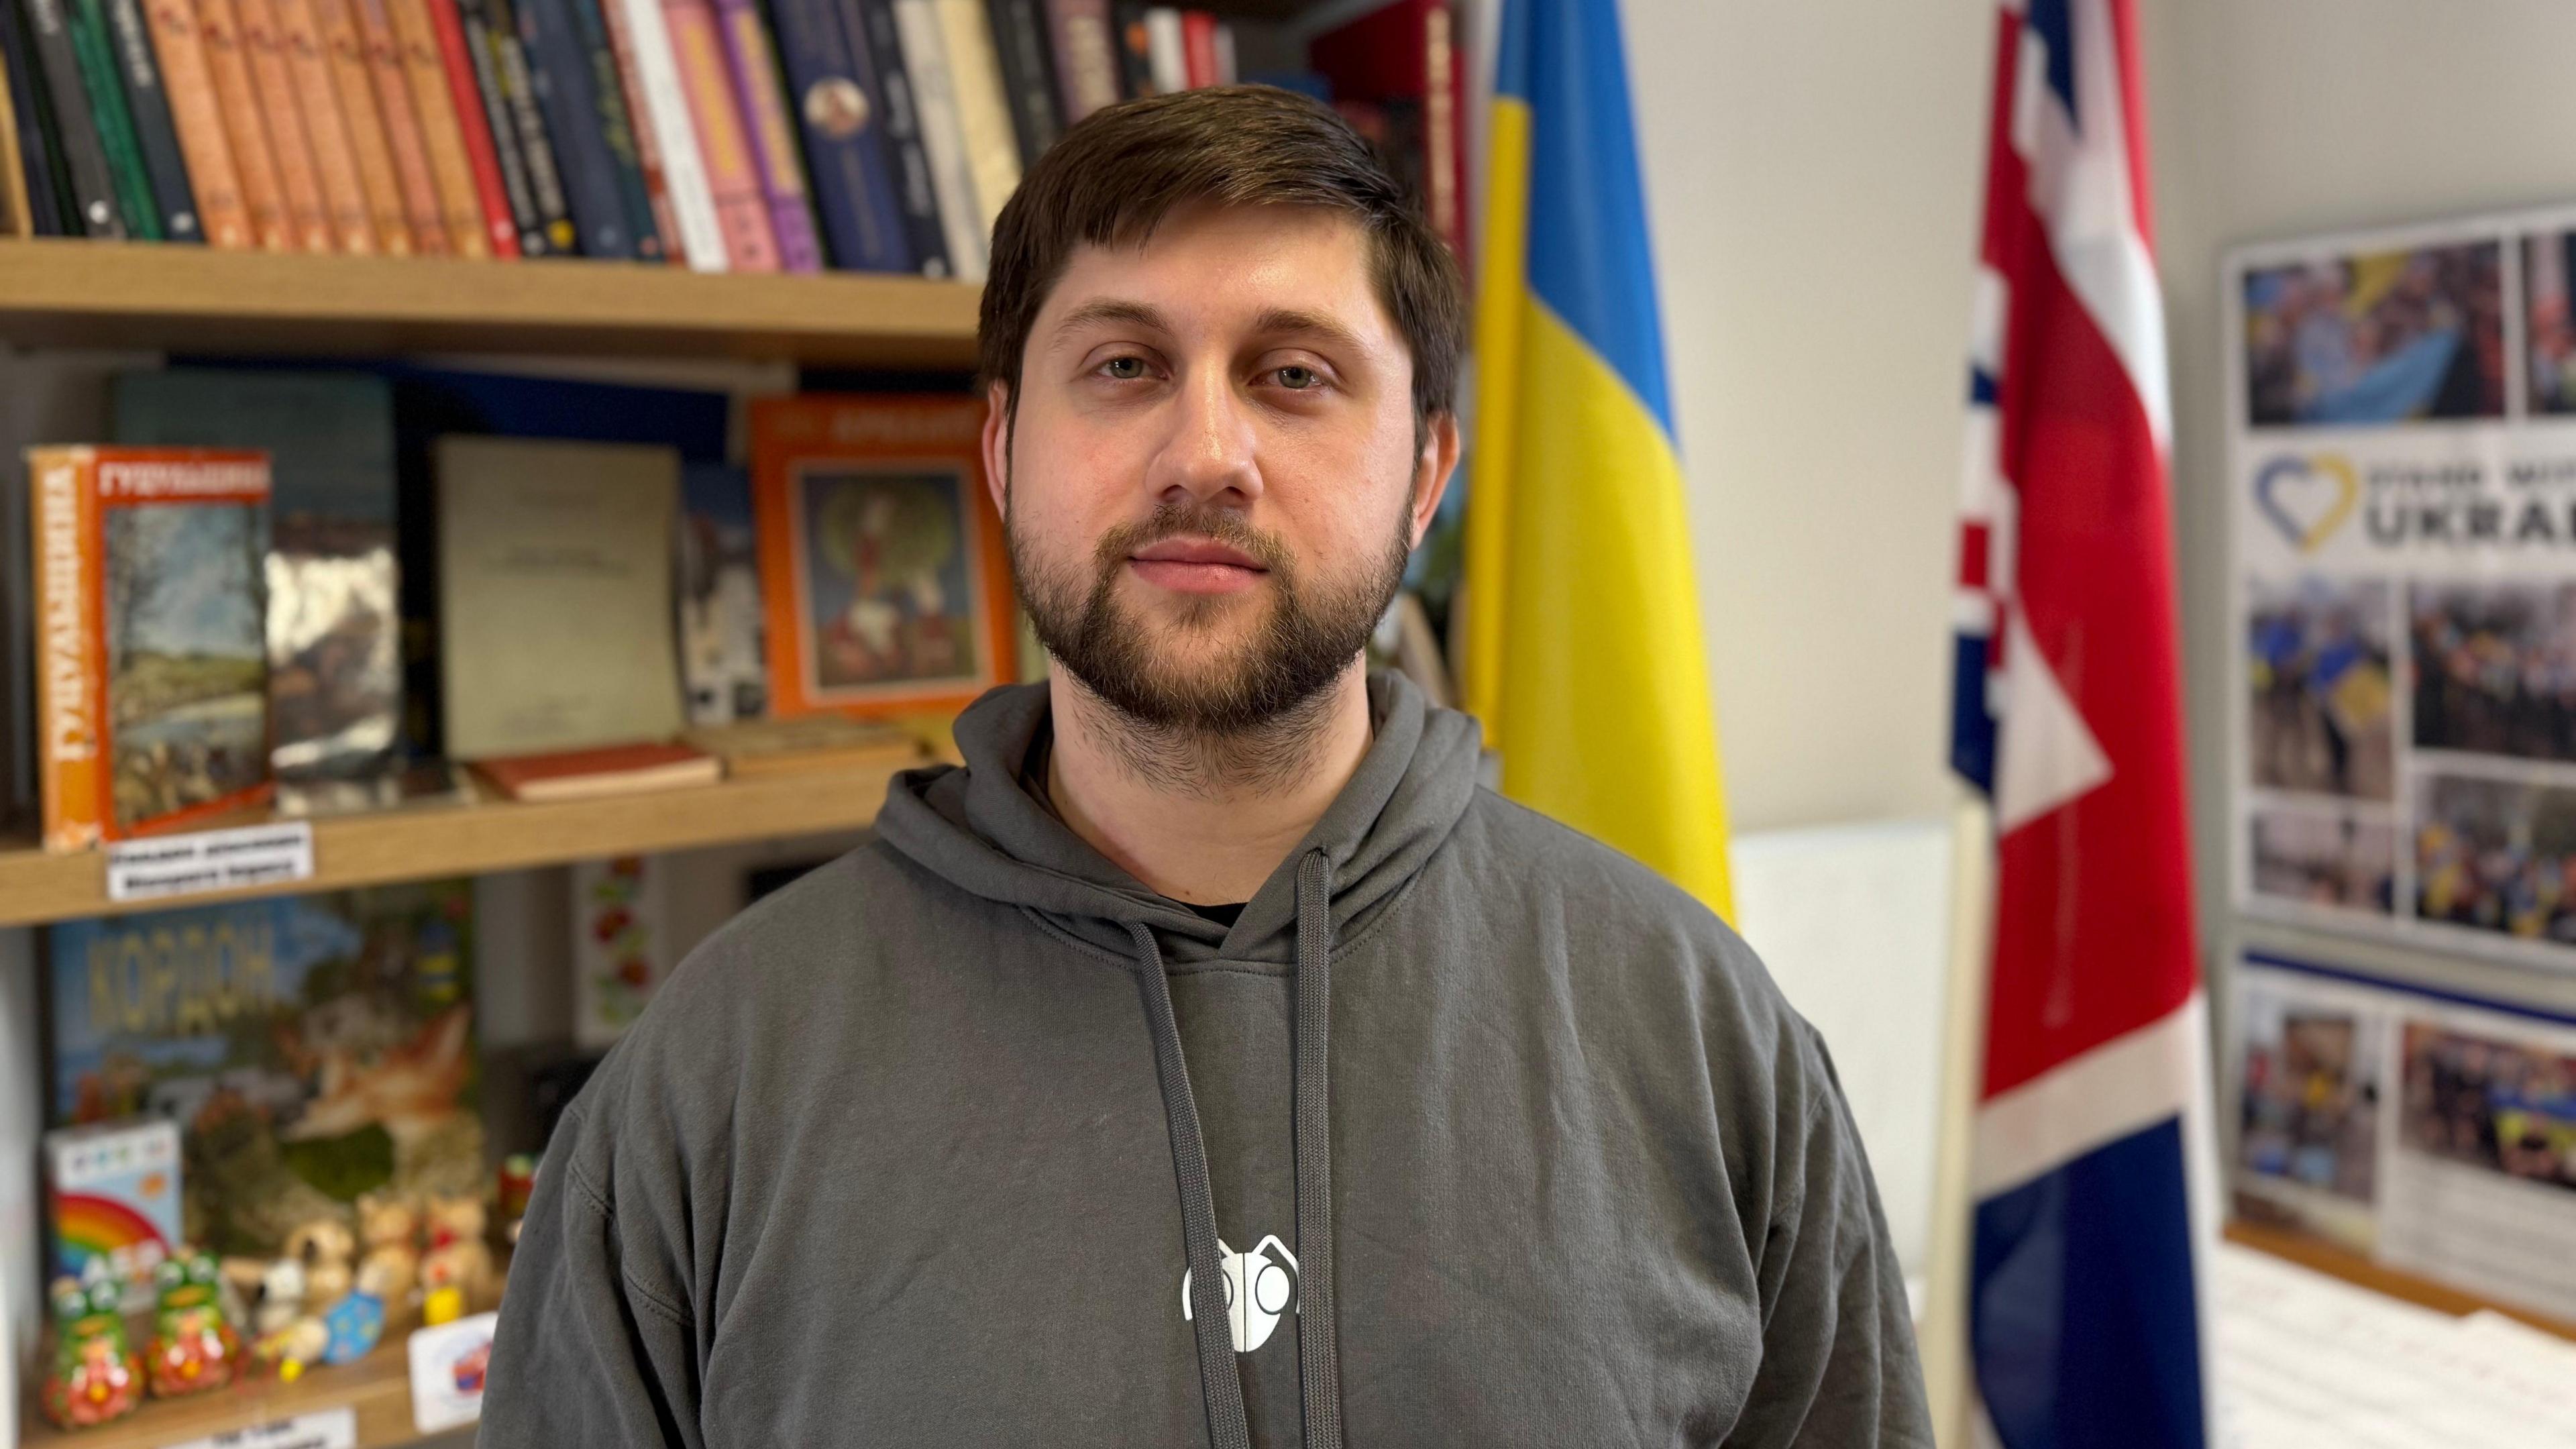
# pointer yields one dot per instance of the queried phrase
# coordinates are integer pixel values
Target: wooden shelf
(376, 1388)
(64, 293)
(2353, 1268)
(426, 842)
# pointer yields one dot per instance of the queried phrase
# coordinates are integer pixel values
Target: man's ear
(1432, 470)
(997, 445)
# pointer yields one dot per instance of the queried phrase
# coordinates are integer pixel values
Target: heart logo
(2307, 499)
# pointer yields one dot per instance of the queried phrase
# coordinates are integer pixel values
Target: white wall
(1813, 175)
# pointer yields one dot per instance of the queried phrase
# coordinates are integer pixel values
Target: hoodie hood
(979, 829)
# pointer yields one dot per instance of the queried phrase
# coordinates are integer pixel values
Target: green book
(87, 21)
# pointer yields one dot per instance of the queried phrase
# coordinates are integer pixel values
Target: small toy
(354, 1326)
(95, 1376)
(114, 1201)
(458, 1256)
(324, 1249)
(281, 1297)
(288, 1350)
(443, 1305)
(389, 1227)
(193, 1347)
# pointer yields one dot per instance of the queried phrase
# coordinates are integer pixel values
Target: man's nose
(1210, 455)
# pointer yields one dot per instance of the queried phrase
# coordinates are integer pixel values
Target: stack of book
(723, 135)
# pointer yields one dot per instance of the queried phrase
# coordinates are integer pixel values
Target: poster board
(2402, 458)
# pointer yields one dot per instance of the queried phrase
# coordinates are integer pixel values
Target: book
(554, 580)
(888, 588)
(424, 209)
(854, 181)
(517, 187)
(722, 663)
(813, 742)
(772, 135)
(17, 218)
(1085, 49)
(601, 771)
(733, 177)
(1398, 75)
(984, 120)
(664, 106)
(617, 128)
(245, 128)
(965, 235)
(94, 49)
(665, 222)
(1135, 45)
(474, 125)
(112, 1203)
(299, 177)
(621, 944)
(1198, 48)
(198, 119)
(35, 174)
(335, 151)
(332, 624)
(310, 1048)
(876, 52)
(1028, 75)
(155, 129)
(1167, 49)
(151, 677)
(353, 85)
(84, 152)
(442, 131)
(559, 69)
(528, 125)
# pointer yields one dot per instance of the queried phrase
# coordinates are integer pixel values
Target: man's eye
(1296, 379)
(1125, 369)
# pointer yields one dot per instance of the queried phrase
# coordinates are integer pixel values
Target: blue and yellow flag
(1582, 651)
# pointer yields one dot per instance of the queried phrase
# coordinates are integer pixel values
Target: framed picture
(888, 591)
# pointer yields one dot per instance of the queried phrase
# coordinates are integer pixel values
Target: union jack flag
(2093, 1155)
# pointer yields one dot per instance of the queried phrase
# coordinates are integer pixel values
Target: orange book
(402, 128)
(237, 95)
(151, 646)
(607, 770)
(199, 117)
(884, 581)
(297, 174)
(442, 135)
(335, 156)
(357, 91)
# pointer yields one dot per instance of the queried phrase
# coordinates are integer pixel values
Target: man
(1210, 1060)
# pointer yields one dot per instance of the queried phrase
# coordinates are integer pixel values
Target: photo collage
(2404, 449)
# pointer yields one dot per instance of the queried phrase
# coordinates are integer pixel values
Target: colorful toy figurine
(95, 1376)
(459, 1257)
(194, 1346)
(389, 1231)
(354, 1324)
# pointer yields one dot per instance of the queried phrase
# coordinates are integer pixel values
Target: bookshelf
(58, 292)
(376, 1390)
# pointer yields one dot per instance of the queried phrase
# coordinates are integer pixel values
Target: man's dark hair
(1112, 179)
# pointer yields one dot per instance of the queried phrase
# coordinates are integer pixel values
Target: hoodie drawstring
(1318, 1353)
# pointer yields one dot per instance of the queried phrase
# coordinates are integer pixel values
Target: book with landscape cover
(333, 625)
(151, 668)
(887, 588)
(311, 1048)
(554, 582)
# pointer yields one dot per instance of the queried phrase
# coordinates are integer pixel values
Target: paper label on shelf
(448, 1362)
(210, 860)
(322, 1429)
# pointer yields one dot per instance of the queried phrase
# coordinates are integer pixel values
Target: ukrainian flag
(1582, 652)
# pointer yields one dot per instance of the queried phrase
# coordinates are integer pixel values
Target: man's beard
(1303, 641)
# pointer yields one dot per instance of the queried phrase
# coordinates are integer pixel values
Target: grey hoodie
(1468, 1131)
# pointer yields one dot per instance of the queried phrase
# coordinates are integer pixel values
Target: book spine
(561, 75)
(843, 147)
(1028, 79)
(237, 94)
(482, 54)
(90, 44)
(423, 210)
(1086, 56)
(17, 216)
(1198, 48)
(640, 125)
(298, 176)
(164, 165)
(877, 48)
(326, 124)
(1224, 46)
(442, 132)
(1444, 126)
(528, 121)
(772, 136)
(943, 140)
(663, 100)
(975, 79)
(84, 153)
(198, 117)
(500, 227)
(1167, 49)
(49, 208)
(1135, 48)
(617, 127)
(732, 177)
(70, 736)
(344, 55)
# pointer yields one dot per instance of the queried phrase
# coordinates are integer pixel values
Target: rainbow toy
(114, 1203)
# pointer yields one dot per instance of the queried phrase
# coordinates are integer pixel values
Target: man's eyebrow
(1289, 321)
(1109, 310)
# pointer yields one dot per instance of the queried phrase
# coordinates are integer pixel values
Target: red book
(1198, 47)
(608, 770)
(480, 151)
(1398, 76)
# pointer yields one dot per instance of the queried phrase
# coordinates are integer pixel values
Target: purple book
(773, 134)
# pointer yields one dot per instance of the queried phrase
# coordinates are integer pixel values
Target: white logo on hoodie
(1250, 1316)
